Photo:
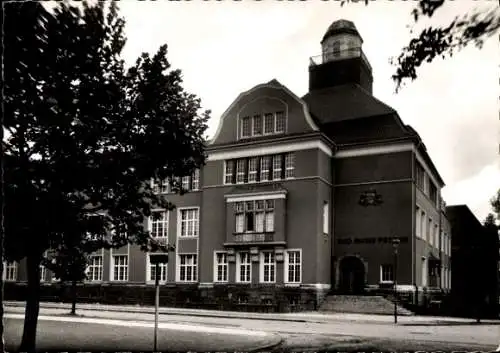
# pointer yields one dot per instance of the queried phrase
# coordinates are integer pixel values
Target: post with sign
(157, 260)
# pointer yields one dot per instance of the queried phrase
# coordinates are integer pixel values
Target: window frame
(271, 266)
(223, 265)
(114, 266)
(194, 267)
(99, 267)
(165, 221)
(382, 273)
(195, 221)
(247, 264)
(8, 269)
(287, 264)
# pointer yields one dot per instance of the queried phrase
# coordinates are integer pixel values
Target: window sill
(293, 285)
(188, 236)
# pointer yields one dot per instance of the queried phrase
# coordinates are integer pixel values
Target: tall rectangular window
(254, 216)
(326, 217)
(277, 167)
(429, 234)
(269, 123)
(186, 183)
(240, 171)
(252, 170)
(43, 273)
(195, 180)
(188, 266)
(293, 266)
(420, 175)
(269, 227)
(289, 165)
(280, 122)
(436, 236)
(243, 267)
(257, 125)
(189, 222)
(265, 164)
(228, 172)
(246, 127)
(151, 270)
(268, 267)
(95, 268)
(433, 192)
(386, 273)
(9, 271)
(417, 222)
(423, 220)
(120, 268)
(159, 224)
(221, 265)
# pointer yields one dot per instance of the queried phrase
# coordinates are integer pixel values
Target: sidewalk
(293, 317)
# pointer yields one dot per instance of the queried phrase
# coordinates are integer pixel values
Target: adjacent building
(300, 197)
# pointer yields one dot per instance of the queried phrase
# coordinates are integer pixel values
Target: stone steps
(361, 304)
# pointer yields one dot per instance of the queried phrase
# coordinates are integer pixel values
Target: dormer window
(266, 124)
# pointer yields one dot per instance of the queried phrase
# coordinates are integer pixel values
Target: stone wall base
(241, 297)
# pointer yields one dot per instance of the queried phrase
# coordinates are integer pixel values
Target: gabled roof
(344, 102)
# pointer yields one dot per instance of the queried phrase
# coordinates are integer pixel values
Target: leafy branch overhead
(442, 41)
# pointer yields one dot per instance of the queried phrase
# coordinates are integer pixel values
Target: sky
(226, 47)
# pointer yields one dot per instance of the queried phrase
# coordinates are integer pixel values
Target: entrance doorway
(351, 275)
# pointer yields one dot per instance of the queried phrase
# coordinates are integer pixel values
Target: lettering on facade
(370, 198)
(372, 240)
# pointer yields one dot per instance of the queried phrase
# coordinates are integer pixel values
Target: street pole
(395, 243)
(157, 304)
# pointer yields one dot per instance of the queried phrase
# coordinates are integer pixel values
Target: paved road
(320, 332)
(92, 334)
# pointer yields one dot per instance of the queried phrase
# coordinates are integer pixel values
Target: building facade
(300, 197)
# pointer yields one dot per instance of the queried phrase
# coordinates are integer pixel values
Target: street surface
(185, 330)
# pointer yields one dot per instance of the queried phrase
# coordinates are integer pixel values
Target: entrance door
(352, 275)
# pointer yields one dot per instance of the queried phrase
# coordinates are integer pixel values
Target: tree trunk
(73, 297)
(28, 343)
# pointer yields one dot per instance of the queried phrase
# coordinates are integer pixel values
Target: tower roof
(340, 27)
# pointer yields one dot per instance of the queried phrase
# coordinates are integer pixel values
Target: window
(159, 224)
(252, 170)
(186, 182)
(436, 236)
(94, 268)
(188, 268)
(423, 226)
(293, 266)
(386, 273)
(9, 271)
(254, 216)
(195, 180)
(228, 172)
(265, 164)
(246, 127)
(326, 216)
(189, 219)
(257, 125)
(240, 171)
(280, 122)
(43, 273)
(243, 267)
(419, 174)
(426, 184)
(418, 224)
(289, 165)
(268, 123)
(429, 230)
(220, 267)
(267, 267)
(120, 267)
(151, 270)
(433, 193)
(160, 186)
(277, 167)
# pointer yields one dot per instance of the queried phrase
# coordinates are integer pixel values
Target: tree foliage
(85, 135)
(472, 28)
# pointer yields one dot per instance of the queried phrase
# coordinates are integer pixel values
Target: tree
(432, 42)
(495, 204)
(85, 137)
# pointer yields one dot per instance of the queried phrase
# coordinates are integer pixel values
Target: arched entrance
(351, 275)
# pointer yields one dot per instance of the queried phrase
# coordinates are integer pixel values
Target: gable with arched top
(261, 100)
